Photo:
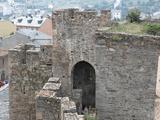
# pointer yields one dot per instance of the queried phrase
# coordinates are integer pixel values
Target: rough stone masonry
(113, 72)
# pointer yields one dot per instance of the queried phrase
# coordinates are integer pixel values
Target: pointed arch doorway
(84, 78)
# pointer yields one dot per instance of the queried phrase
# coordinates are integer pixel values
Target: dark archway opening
(84, 78)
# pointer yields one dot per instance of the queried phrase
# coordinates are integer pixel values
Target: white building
(116, 15)
(32, 22)
(156, 15)
(120, 10)
(5, 9)
(10, 2)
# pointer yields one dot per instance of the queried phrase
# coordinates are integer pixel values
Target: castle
(86, 68)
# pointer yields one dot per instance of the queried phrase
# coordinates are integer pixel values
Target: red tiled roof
(46, 27)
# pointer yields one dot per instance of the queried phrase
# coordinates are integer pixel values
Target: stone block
(52, 86)
(54, 80)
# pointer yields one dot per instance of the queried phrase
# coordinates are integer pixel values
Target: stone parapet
(51, 106)
(104, 38)
(74, 16)
(28, 74)
(30, 55)
(77, 17)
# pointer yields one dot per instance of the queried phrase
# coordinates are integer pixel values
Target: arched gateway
(84, 78)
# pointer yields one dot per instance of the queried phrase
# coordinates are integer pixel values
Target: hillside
(78, 3)
(144, 5)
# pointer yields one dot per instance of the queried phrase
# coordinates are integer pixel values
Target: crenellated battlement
(31, 55)
(73, 17)
(75, 25)
(19, 55)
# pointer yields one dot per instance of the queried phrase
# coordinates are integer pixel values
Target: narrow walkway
(4, 104)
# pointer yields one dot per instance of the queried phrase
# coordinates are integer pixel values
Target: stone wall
(127, 87)
(127, 75)
(29, 71)
(105, 18)
(50, 105)
(75, 35)
(125, 65)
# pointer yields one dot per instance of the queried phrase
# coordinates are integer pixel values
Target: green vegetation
(116, 38)
(89, 117)
(132, 28)
(134, 16)
(6, 28)
(153, 29)
(135, 28)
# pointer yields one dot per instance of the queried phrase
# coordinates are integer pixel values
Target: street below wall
(4, 104)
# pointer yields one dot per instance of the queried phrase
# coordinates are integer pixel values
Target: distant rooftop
(28, 21)
(34, 34)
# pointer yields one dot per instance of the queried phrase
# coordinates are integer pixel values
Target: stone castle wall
(50, 105)
(30, 68)
(125, 65)
(105, 18)
(75, 35)
(127, 76)
(71, 23)
(127, 87)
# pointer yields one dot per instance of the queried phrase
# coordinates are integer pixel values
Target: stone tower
(75, 32)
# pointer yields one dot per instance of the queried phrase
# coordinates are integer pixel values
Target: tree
(134, 15)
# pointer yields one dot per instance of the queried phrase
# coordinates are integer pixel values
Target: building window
(3, 61)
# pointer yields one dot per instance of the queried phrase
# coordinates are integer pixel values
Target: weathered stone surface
(68, 106)
(125, 65)
(71, 116)
(49, 106)
(69, 111)
(27, 77)
(157, 109)
(126, 81)
(51, 86)
(54, 80)
(125, 72)
(46, 93)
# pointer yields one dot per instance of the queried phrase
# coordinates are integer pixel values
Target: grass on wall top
(132, 28)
